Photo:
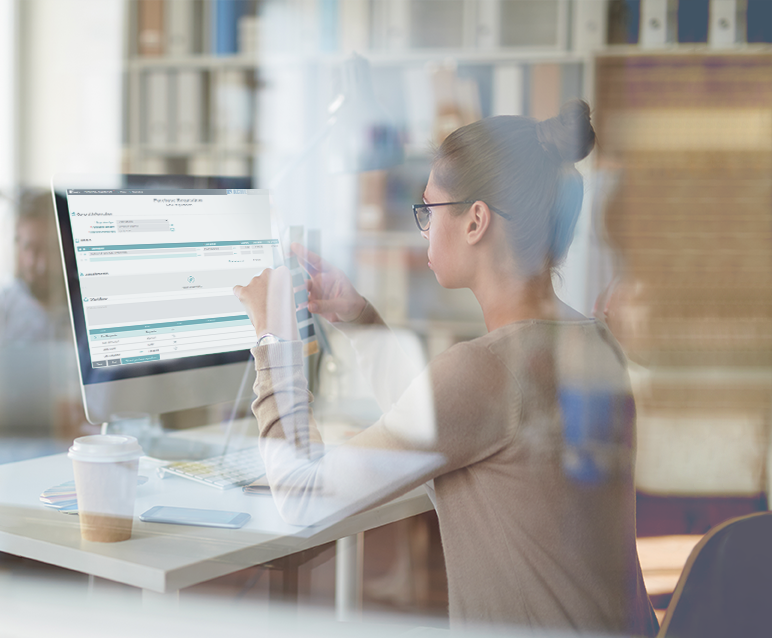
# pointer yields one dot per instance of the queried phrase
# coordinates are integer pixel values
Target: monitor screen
(150, 266)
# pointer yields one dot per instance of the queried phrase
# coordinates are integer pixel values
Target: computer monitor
(150, 263)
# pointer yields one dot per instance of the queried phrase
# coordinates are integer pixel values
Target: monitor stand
(160, 444)
(174, 448)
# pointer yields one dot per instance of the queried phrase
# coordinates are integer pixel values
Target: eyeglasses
(423, 213)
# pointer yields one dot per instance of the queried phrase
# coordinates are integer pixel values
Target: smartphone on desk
(193, 516)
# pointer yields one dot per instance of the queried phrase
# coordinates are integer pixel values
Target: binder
(759, 14)
(507, 89)
(233, 107)
(590, 24)
(488, 26)
(157, 107)
(354, 21)
(546, 91)
(654, 25)
(189, 99)
(180, 27)
(150, 27)
(390, 24)
(723, 23)
(249, 35)
(329, 25)
(693, 21)
(225, 15)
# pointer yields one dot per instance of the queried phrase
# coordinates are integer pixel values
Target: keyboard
(224, 471)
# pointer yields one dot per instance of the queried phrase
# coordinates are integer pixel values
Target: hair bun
(570, 135)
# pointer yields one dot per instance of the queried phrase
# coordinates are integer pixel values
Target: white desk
(166, 558)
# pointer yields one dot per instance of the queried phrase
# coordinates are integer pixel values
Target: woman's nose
(425, 234)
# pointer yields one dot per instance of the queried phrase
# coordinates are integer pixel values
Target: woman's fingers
(327, 306)
(309, 261)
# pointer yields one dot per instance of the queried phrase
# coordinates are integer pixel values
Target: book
(623, 21)
(354, 29)
(156, 107)
(390, 22)
(759, 20)
(189, 106)
(419, 106)
(590, 25)
(723, 23)
(487, 26)
(436, 25)
(531, 24)
(693, 21)
(249, 35)
(654, 23)
(233, 107)
(545, 94)
(224, 24)
(150, 27)
(329, 25)
(179, 25)
(508, 97)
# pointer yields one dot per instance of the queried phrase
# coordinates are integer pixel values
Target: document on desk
(63, 497)
(260, 486)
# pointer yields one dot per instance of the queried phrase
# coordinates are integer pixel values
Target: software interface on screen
(157, 269)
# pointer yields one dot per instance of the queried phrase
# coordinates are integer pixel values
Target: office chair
(725, 589)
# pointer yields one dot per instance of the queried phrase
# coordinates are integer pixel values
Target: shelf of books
(194, 68)
(191, 81)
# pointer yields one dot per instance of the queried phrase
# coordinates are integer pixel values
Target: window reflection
(671, 250)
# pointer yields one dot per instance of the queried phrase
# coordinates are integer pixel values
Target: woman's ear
(478, 222)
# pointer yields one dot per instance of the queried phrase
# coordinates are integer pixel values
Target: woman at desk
(526, 432)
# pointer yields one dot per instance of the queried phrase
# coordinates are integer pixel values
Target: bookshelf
(190, 86)
(195, 99)
(523, 57)
(177, 56)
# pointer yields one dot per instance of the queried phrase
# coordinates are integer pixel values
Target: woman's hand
(330, 293)
(270, 303)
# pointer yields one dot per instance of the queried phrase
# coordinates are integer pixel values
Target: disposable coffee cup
(106, 468)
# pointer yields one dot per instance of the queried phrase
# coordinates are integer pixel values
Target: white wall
(71, 56)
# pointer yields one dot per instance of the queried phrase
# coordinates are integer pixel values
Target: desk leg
(349, 563)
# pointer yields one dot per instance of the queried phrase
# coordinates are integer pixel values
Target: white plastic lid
(105, 448)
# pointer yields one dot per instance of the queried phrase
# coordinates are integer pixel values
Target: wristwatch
(268, 338)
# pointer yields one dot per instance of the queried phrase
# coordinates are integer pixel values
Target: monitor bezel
(59, 185)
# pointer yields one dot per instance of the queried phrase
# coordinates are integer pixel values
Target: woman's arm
(463, 408)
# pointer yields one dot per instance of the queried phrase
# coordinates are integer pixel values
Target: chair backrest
(725, 589)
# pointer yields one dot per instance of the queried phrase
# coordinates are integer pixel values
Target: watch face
(268, 339)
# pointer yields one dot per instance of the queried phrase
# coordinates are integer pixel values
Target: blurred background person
(40, 408)
(32, 305)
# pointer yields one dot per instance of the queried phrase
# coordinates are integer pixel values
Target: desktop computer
(150, 263)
